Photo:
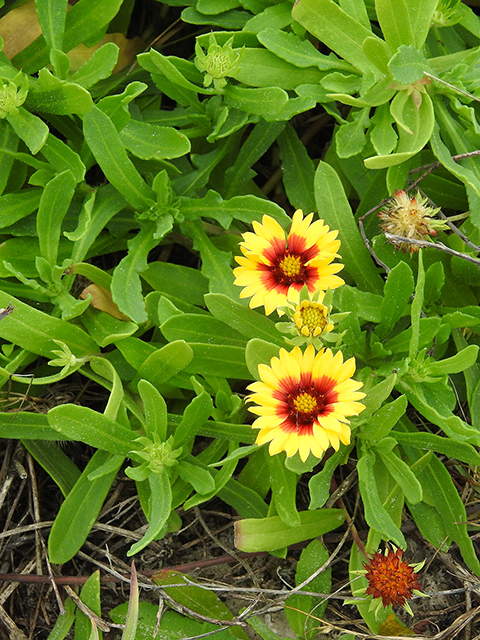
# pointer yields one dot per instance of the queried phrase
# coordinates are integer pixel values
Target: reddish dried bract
(391, 578)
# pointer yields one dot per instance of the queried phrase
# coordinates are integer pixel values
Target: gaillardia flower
(391, 578)
(274, 269)
(410, 218)
(303, 399)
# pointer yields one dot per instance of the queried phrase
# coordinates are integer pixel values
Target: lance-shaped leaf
(104, 141)
(269, 534)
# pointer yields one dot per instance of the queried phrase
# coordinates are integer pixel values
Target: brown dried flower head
(410, 218)
(391, 578)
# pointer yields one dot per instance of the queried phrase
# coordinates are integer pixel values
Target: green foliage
(110, 175)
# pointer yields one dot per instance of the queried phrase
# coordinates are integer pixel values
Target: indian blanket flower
(303, 400)
(274, 268)
(391, 578)
(410, 218)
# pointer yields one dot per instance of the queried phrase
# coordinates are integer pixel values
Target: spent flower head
(303, 400)
(274, 268)
(13, 94)
(218, 62)
(391, 580)
(410, 217)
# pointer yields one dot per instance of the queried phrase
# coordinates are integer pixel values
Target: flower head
(13, 94)
(311, 318)
(303, 400)
(156, 456)
(274, 269)
(218, 63)
(410, 218)
(391, 578)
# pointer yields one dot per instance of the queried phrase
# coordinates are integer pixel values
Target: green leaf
(403, 475)
(284, 490)
(25, 425)
(98, 67)
(350, 138)
(336, 29)
(8, 143)
(244, 208)
(84, 20)
(223, 361)
(333, 207)
(383, 420)
(80, 510)
(177, 280)
(382, 135)
(243, 499)
(216, 264)
(396, 22)
(104, 141)
(267, 102)
(51, 16)
(304, 612)
(200, 479)
(446, 446)
(269, 534)
(52, 95)
(203, 601)
(155, 409)
(376, 515)
(63, 158)
(436, 478)
(126, 285)
(29, 128)
(438, 414)
(420, 122)
(397, 294)
(301, 53)
(55, 462)
(90, 596)
(243, 320)
(195, 415)
(34, 330)
(297, 167)
(258, 142)
(93, 428)
(259, 352)
(162, 364)
(54, 204)
(407, 65)
(64, 622)
(18, 205)
(456, 364)
(193, 327)
(320, 484)
(154, 142)
(155, 62)
(160, 507)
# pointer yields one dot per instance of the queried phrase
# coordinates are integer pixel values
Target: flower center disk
(290, 269)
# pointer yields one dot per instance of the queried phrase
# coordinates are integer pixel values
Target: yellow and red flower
(391, 578)
(274, 269)
(303, 400)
